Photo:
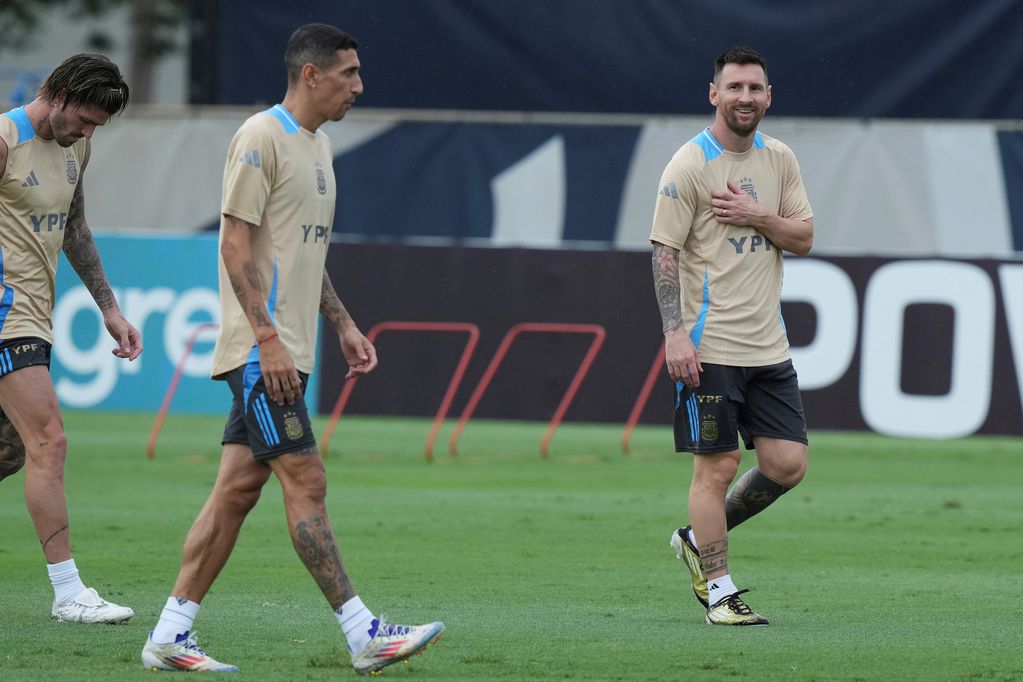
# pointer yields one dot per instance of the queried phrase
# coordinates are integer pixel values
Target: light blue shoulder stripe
(291, 125)
(25, 130)
(711, 147)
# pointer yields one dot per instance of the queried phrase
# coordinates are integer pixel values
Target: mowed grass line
(894, 560)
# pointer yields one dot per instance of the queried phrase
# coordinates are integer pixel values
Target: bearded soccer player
(277, 213)
(731, 201)
(44, 151)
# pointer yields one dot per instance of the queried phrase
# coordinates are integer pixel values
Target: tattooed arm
(359, 353)
(83, 256)
(679, 353)
(279, 373)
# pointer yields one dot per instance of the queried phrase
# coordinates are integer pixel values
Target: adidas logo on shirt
(251, 158)
(31, 180)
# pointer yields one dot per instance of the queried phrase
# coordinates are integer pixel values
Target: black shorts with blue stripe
(271, 430)
(738, 401)
(25, 351)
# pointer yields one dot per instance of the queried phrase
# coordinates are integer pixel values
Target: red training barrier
(644, 394)
(173, 387)
(529, 327)
(445, 403)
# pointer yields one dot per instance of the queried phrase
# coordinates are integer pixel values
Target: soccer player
(731, 200)
(44, 150)
(277, 213)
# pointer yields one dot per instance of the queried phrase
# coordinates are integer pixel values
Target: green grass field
(894, 560)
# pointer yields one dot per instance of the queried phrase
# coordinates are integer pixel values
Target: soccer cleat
(732, 610)
(394, 643)
(690, 556)
(88, 607)
(181, 654)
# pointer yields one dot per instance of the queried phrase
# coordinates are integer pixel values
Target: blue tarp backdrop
(847, 58)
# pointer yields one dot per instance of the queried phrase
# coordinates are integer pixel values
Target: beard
(743, 130)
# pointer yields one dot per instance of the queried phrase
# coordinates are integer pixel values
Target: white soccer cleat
(181, 654)
(394, 643)
(88, 607)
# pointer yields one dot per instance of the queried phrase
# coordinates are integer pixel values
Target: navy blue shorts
(733, 401)
(269, 429)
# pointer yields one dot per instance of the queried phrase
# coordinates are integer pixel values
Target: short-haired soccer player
(730, 201)
(277, 212)
(44, 150)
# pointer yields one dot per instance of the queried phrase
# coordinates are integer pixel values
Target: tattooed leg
(305, 489)
(714, 558)
(314, 541)
(12, 450)
(751, 494)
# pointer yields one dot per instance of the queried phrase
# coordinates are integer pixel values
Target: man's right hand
(283, 384)
(681, 358)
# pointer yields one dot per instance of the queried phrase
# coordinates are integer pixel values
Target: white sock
(65, 580)
(692, 537)
(175, 619)
(357, 622)
(720, 588)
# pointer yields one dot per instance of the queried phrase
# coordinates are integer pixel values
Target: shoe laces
(735, 603)
(190, 644)
(393, 630)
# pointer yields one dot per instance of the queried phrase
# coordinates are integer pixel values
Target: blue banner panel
(847, 58)
(440, 179)
(165, 287)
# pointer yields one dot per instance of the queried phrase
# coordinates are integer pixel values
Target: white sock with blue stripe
(357, 622)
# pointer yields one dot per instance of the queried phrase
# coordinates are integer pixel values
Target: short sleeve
(249, 174)
(675, 208)
(794, 202)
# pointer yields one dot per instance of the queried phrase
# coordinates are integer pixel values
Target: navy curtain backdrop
(845, 58)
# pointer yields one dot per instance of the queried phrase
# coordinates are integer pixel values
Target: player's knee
(788, 471)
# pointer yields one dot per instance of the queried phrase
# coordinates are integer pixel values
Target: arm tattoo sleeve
(665, 264)
(330, 305)
(82, 254)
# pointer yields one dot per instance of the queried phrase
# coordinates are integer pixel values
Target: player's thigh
(239, 473)
(773, 406)
(30, 402)
(706, 417)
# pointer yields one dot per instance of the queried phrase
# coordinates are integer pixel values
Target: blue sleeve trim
(25, 130)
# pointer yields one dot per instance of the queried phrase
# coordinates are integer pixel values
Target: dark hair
(739, 54)
(86, 79)
(315, 44)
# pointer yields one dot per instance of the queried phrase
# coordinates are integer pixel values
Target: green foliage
(20, 21)
(894, 560)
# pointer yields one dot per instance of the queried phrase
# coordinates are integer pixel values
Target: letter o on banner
(829, 290)
(968, 290)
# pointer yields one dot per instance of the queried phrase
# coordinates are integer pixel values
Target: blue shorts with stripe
(269, 429)
(732, 401)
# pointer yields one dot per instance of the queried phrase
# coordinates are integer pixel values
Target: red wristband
(262, 341)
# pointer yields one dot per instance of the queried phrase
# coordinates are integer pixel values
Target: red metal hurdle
(531, 327)
(644, 395)
(173, 387)
(445, 403)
